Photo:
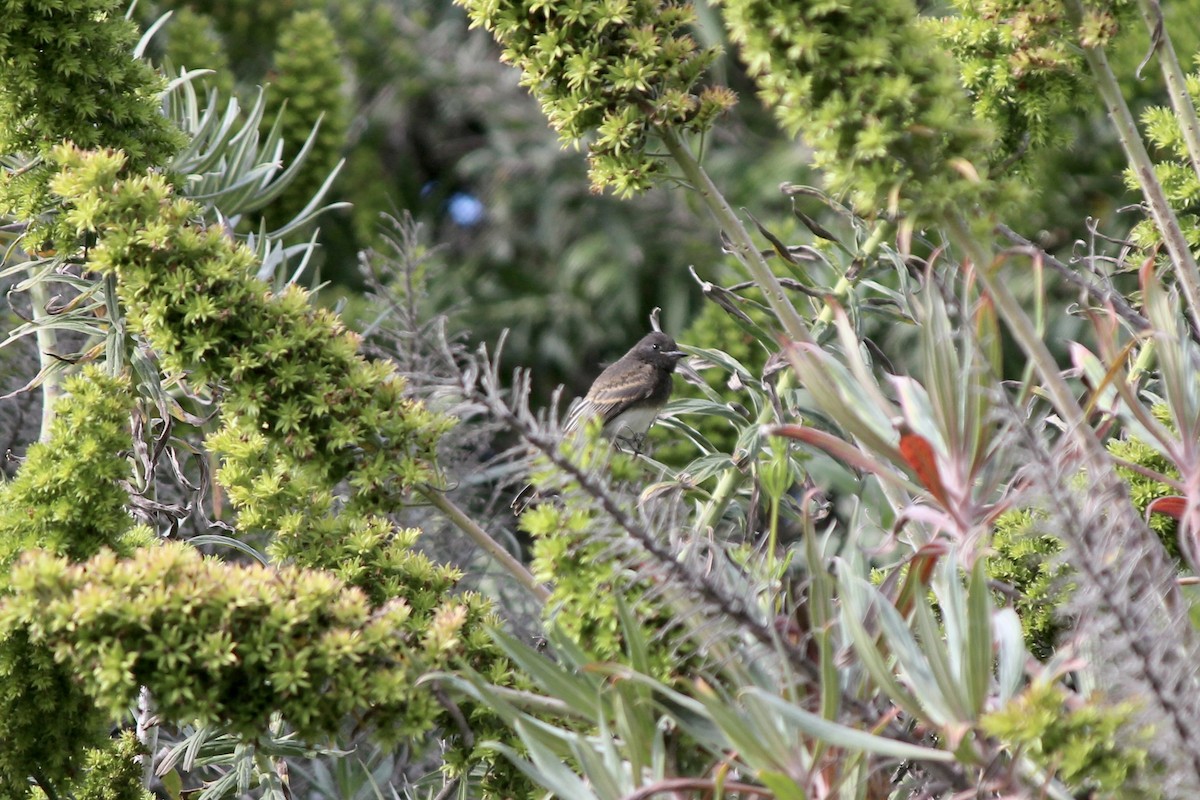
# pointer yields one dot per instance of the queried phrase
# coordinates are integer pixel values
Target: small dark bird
(629, 394)
(626, 397)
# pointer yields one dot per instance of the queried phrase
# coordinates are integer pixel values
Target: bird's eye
(654, 346)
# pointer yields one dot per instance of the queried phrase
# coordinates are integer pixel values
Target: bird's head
(660, 350)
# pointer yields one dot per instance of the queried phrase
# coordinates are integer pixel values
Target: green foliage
(291, 499)
(245, 24)
(588, 580)
(67, 500)
(301, 412)
(1030, 560)
(112, 773)
(716, 328)
(1020, 67)
(292, 372)
(1086, 744)
(69, 74)
(307, 89)
(35, 692)
(1144, 490)
(231, 644)
(873, 95)
(1174, 171)
(615, 70)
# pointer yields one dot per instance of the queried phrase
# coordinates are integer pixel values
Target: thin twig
(456, 714)
(1146, 472)
(1099, 294)
(450, 788)
(1139, 160)
(47, 343)
(744, 247)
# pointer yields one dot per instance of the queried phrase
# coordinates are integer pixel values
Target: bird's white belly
(631, 423)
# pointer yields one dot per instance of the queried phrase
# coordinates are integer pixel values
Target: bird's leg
(631, 443)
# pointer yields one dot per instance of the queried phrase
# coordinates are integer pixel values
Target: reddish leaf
(1173, 506)
(919, 455)
(1146, 271)
(920, 568)
(838, 448)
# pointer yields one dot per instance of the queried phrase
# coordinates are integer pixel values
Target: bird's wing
(608, 398)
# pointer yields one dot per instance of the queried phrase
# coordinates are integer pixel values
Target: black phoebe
(626, 397)
(629, 394)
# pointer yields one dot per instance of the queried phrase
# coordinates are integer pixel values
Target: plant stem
(1143, 168)
(743, 244)
(1143, 362)
(464, 523)
(690, 785)
(47, 343)
(731, 479)
(844, 284)
(1097, 292)
(1023, 330)
(47, 788)
(1176, 81)
(748, 253)
(773, 536)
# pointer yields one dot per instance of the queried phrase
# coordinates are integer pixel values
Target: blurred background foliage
(430, 123)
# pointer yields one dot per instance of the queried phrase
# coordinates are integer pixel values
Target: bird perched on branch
(626, 397)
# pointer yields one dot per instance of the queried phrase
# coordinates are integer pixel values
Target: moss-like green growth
(1144, 490)
(317, 445)
(34, 690)
(246, 25)
(69, 73)
(614, 71)
(876, 98)
(1019, 62)
(1028, 559)
(291, 377)
(588, 576)
(192, 43)
(67, 499)
(1085, 744)
(232, 644)
(112, 772)
(1174, 171)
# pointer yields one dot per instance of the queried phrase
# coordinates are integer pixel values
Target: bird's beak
(675, 354)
